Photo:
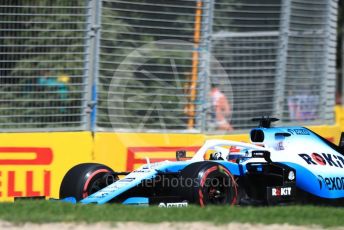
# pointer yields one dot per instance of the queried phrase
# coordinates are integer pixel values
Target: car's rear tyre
(84, 179)
(208, 183)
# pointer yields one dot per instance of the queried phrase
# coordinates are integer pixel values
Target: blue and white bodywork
(319, 164)
(280, 165)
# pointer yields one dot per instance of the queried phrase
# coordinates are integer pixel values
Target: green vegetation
(43, 211)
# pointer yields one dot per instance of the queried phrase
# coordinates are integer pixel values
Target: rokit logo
(281, 191)
(323, 159)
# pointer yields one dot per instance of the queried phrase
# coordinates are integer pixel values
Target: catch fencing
(43, 53)
(153, 65)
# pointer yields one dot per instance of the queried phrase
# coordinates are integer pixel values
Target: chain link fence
(150, 58)
(42, 64)
(309, 76)
(279, 57)
(250, 61)
(246, 42)
(165, 65)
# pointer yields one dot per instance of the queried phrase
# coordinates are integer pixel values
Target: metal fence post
(93, 38)
(207, 24)
(87, 75)
(328, 80)
(282, 59)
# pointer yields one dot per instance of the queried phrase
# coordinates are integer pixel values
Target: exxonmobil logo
(25, 156)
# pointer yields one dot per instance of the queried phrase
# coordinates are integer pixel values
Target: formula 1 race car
(280, 165)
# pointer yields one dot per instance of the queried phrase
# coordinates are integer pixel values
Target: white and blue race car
(280, 165)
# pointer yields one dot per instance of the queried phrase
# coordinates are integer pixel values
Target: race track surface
(160, 226)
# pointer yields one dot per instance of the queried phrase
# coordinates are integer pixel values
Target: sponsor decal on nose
(323, 159)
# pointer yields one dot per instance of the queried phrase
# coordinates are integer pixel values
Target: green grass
(45, 211)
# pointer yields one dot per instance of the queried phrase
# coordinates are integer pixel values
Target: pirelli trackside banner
(33, 164)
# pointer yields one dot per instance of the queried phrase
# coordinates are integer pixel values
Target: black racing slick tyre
(208, 183)
(84, 179)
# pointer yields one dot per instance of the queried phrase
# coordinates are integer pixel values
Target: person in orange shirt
(221, 109)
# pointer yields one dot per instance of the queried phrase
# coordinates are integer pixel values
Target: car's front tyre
(84, 179)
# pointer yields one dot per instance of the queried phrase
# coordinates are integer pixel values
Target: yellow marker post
(195, 62)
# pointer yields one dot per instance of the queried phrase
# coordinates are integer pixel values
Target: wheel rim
(101, 182)
(217, 191)
(96, 181)
(96, 186)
